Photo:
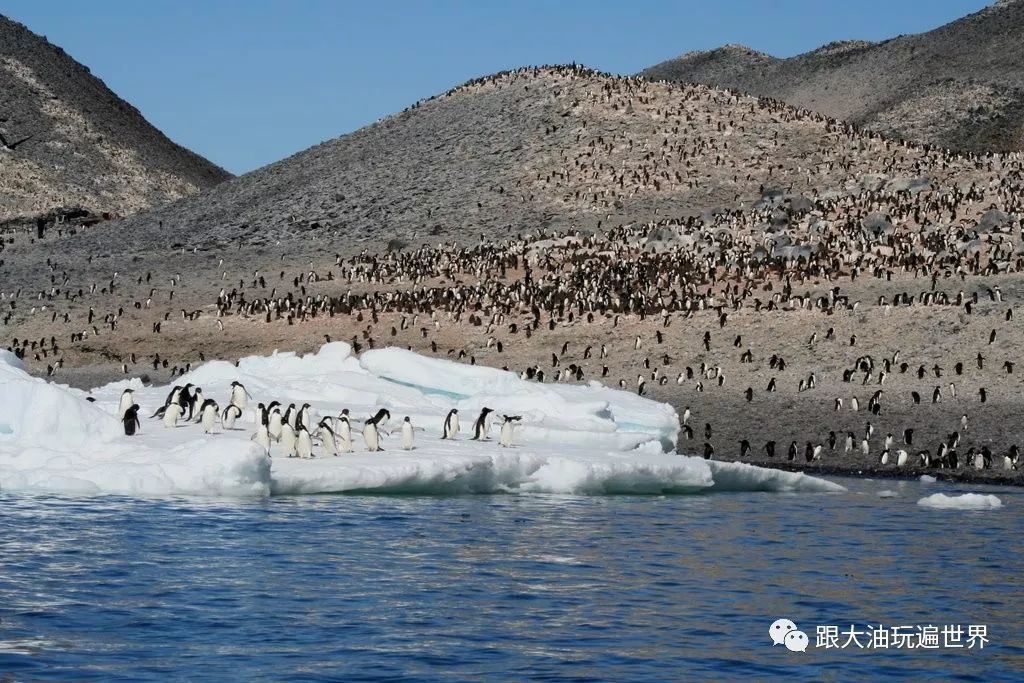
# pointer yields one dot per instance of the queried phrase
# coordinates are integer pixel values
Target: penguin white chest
(506, 434)
(304, 445)
(344, 436)
(371, 437)
(263, 438)
(287, 440)
(407, 436)
(327, 438)
(171, 415)
(209, 418)
(274, 426)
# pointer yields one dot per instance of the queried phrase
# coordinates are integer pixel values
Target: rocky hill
(554, 147)
(68, 145)
(959, 86)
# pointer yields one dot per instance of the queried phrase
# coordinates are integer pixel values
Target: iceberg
(573, 439)
(967, 501)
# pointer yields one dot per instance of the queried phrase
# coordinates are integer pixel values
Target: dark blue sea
(506, 587)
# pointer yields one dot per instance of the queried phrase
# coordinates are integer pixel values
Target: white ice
(572, 439)
(967, 501)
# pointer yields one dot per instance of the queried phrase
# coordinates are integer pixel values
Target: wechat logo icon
(785, 632)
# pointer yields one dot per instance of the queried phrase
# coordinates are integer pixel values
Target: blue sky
(248, 82)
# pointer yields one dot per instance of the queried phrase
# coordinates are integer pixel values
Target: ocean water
(503, 587)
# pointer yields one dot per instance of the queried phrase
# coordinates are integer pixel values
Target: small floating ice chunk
(928, 479)
(967, 501)
(887, 493)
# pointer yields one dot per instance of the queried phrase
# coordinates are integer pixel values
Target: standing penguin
(172, 413)
(262, 437)
(208, 415)
(195, 400)
(407, 430)
(130, 418)
(231, 413)
(303, 443)
(326, 434)
(290, 415)
(451, 424)
(482, 426)
(507, 427)
(239, 396)
(274, 421)
(371, 430)
(127, 401)
(287, 440)
(343, 431)
(302, 417)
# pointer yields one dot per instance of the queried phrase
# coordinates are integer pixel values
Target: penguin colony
(294, 431)
(791, 295)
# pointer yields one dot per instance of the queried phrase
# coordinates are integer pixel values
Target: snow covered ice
(967, 501)
(572, 438)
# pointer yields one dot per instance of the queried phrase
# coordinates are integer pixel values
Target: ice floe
(579, 439)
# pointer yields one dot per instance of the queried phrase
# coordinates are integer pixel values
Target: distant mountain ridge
(68, 144)
(959, 86)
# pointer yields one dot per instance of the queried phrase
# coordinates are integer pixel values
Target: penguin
(303, 443)
(371, 430)
(126, 402)
(290, 415)
(172, 413)
(1011, 458)
(709, 451)
(287, 440)
(482, 426)
(407, 434)
(343, 430)
(239, 396)
(262, 437)
(507, 427)
(831, 441)
(302, 417)
(791, 453)
(744, 448)
(769, 449)
(884, 460)
(326, 434)
(275, 423)
(908, 437)
(230, 414)
(130, 418)
(901, 458)
(686, 415)
(208, 415)
(193, 400)
(451, 425)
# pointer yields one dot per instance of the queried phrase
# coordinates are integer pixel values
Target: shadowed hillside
(70, 146)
